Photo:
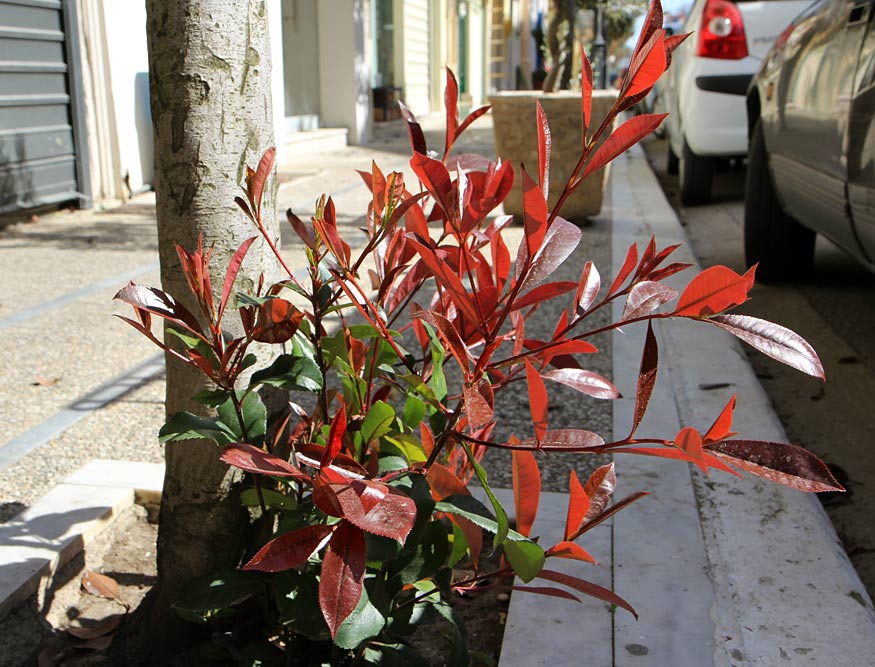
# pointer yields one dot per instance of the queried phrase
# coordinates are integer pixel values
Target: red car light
(722, 32)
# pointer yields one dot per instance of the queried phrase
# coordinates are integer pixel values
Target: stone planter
(516, 139)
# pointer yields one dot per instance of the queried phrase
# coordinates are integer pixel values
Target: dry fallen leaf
(104, 627)
(100, 585)
(45, 382)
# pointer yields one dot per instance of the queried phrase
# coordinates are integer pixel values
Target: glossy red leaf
(257, 461)
(290, 549)
(585, 92)
(500, 260)
(610, 511)
(626, 270)
(543, 293)
(473, 536)
(565, 439)
(435, 179)
(578, 506)
(451, 101)
(671, 43)
(276, 321)
(652, 22)
(778, 462)
(471, 117)
(376, 508)
(689, 440)
(534, 214)
(714, 290)
(335, 437)
(479, 403)
(310, 454)
(448, 335)
(158, 303)
(548, 591)
(585, 381)
(721, 428)
(265, 166)
(670, 270)
(647, 65)
(545, 143)
(570, 550)
(599, 488)
(625, 136)
(587, 288)
(304, 232)
(537, 400)
(773, 340)
(414, 130)
(446, 278)
(646, 297)
(646, 378)
(560, 240)
(443, 482)
(587, 588)
(526, 477)
(231, 273)
(343, 572)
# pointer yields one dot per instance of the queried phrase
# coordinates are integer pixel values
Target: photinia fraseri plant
(394, 359)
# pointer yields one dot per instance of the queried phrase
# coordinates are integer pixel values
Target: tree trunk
(209, 63)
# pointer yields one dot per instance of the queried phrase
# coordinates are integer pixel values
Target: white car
(708, 80)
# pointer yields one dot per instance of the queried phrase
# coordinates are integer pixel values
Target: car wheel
(781, 246)
(672, 162)
(695, 173)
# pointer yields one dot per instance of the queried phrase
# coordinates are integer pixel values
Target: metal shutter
(39, 117)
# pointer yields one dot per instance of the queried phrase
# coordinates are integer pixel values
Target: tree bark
(209, 72)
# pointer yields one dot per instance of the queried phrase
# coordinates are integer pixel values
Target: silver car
(811, 163)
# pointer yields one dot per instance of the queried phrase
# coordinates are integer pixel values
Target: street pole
(599, 53)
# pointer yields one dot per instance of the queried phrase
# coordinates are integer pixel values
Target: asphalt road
(834, 309)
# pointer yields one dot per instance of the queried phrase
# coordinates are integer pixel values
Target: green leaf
(297, 599)
(526, 558)
(254, 418)
(414, 412)
(364, 622)
(476, 512)
(432, 550)
(459, 652)
(391, 463)
(438, 380)
(295, 373)
(460, 546)
(209, 594)
(211, 398)
(408, 445)
(249, 497)
(195, 343)
(500, 513)
(186, 426)
(392, 655)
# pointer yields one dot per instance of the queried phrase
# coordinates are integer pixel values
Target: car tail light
(722, 31)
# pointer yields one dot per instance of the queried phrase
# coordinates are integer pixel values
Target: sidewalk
(721, 571)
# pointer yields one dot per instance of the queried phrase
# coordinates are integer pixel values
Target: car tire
(672, 162)
(695, 176)
(782, 247)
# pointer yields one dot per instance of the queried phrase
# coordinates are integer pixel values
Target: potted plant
(395, 358)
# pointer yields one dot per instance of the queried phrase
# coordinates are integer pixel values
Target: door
(41, 155)
(861, 146)
(301, 74)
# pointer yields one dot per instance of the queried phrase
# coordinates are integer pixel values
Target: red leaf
(158, 303)
(624, 272)
(414, 129)
(584, 381)
(671, 43)
(257, 184)
(446, 278)
(534, 214)
(690, 441)
(231, 274)
(473, 536)
(479, 403)
(670, 270)
(648, 65)
(543, 293)
(714, 290)
(310, 454)
(646, 297)
(587, 588)
(545, 143)
(471, 117)
(290, 549)
(773, 340)
(451, 99)
(560, 240)
(628, 134)
(537, 400)
(565, 439)
(652, 23)
(720, 429)
(585, 92)
(343, 572)
(335, 437)
(376, 508)
(611, 511)
(646, 378)
(277, 321)
(675, 454)
(778, 462)
(526, 490)
(578, 506)
(587, 289)
(570, 550)
(599, 488)
(304, 232)
(448, 335)
(548, 591)
(436, 179)
(444, 483)
(257, 461)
